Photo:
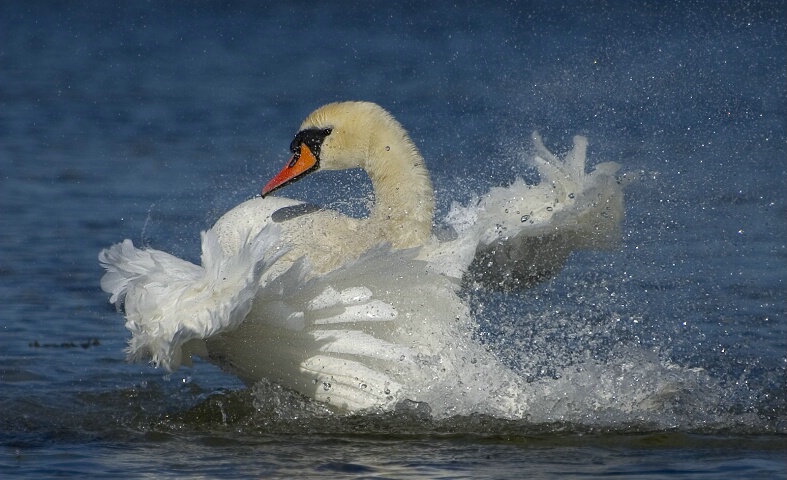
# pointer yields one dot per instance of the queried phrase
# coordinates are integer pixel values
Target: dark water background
(148, 120)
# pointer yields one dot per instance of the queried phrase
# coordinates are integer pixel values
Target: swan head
(341, 136)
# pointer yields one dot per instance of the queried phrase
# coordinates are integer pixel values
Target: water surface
(149, 120)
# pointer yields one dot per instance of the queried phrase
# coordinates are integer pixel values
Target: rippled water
(147, 121)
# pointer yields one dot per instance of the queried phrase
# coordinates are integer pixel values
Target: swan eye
(312, 137)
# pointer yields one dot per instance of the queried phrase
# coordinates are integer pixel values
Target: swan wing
(170, 302)
(524, 233)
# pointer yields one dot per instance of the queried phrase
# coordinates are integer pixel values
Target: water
(149, 120)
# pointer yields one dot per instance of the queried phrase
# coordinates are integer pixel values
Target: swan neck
(404, 201)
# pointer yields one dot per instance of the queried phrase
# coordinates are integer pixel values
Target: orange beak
(301, 163)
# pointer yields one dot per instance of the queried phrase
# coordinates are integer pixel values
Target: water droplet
(401, 359)
(570, 195)
(549, 209)
(326, 386)
(363, 385)
(387, 391)
(525, 218)
(387, 148)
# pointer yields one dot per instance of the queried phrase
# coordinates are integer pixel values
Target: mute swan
(361, 313)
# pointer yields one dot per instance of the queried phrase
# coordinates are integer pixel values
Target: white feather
(169, 301)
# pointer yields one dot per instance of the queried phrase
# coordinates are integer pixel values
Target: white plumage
(374, 324)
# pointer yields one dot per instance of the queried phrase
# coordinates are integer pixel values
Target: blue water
(148, 120)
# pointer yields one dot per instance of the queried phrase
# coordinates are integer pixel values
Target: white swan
(361, 313)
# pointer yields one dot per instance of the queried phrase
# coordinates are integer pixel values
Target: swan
(362, 313)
